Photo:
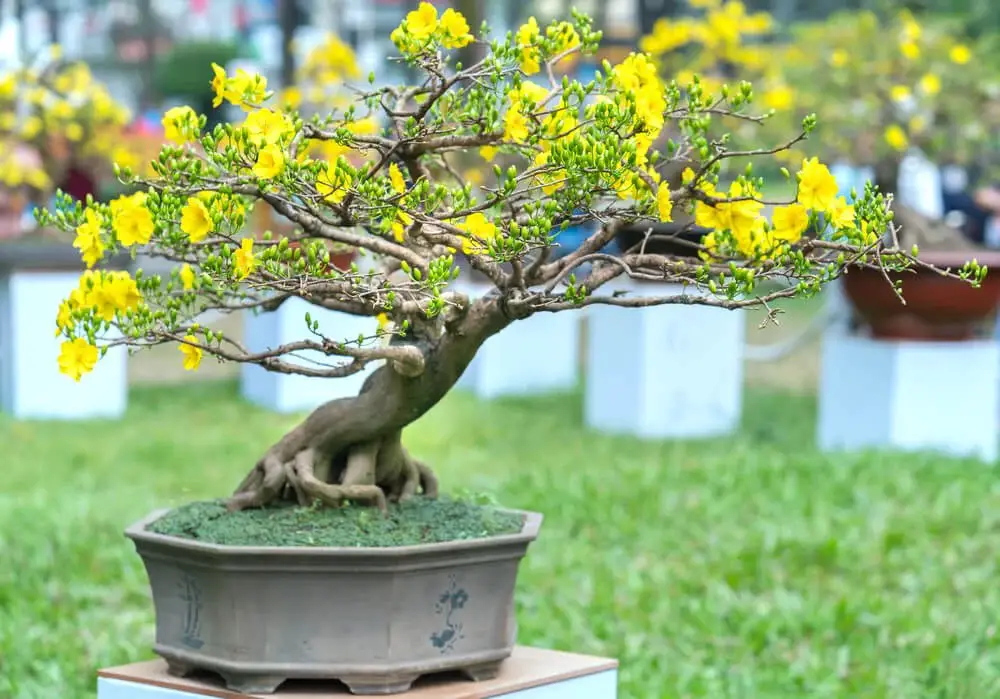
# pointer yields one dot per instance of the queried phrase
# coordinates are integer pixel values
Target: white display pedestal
(850, 176)
(537, 355)
(669, 371)
(919, 186)
(31, 385)
(940, 396)
(530, 673)
(285, 393)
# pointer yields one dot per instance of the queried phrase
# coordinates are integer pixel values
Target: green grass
(751, 567)
(417, 521)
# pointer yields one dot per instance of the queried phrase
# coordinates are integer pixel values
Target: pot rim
(138, 532)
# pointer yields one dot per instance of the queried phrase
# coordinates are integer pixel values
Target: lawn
(750, 567)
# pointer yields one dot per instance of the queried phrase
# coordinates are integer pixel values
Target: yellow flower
(896, 137)
(515, 125)
(422, 22)
(911, 28)
(244, 259)
(789, 222)
(77, 357)
(711, 215)
(899, 93)
(88, 238)
(744, 215)
(270, 162)
(666, 36)
(400, 224)
(551, 178)
(177, 124)
(528, 93)
(131, 221)
(112, 293)
(817, 187)
(930, 84)
(292, 97)
(31, 127)
(664, 205)
(711, 244)
(192, 354)
(564, 36)
(332, 183)
(64, 317)
(219, 84)
(778, 98)
(917, 124)
(74, 132)
(187, 277)
(529, 56)
(456, 30)
(396, 179)
(839, 58)
(910, 50)
(196, 221)
(246, 91)
(266, 126)
(637, 74)
(842, 214)
(960, 54)
(488, 153)
(480, 231)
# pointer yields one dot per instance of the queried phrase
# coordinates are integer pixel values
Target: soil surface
(416, 521)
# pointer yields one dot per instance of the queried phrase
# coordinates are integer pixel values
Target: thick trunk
(350, 448)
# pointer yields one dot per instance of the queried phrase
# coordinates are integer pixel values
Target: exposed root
(371, 473)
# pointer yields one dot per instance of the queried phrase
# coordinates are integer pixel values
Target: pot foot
(483, 671)
(253, 684)
(176, 668)
(367, 685)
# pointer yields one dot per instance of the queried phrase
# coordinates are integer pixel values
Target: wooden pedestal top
(526, 668)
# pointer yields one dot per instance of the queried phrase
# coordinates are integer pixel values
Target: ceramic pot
(374, 618)
(937, 308)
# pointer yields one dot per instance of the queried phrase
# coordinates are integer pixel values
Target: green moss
(418, 521)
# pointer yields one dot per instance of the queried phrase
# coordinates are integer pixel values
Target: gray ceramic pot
(374, 618)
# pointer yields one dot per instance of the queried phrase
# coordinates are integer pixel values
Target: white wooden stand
(530, 673)
(850, 176)
(938, 396)
(669, 371)
(285, 393)
(537, 355)
(31, 385)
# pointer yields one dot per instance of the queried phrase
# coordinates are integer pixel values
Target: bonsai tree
(582, 153)
(60, 128)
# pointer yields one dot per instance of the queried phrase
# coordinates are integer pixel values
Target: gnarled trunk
(350, 448)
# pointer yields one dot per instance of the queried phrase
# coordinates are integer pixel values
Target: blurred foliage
(884, 85)
(56, 122)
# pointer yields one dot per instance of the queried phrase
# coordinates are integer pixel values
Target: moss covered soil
(417, 521)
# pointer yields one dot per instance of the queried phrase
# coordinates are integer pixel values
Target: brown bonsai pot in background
(936, 308)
